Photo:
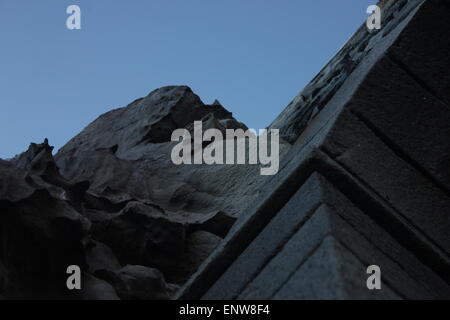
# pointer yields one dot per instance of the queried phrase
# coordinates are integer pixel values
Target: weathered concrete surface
(408, 118)
(322, 277)
(377, 132)
(318, 93)
(363, 180)
(269, 262)
(423, 49)
(393, 179)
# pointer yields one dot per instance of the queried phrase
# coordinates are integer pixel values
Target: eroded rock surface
(111, 197)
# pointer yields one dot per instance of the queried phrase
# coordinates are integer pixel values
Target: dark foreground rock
(364, 183)
(112, 197)
(139, 283)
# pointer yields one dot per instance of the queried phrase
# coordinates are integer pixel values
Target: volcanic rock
(140, 283)
(112, 197)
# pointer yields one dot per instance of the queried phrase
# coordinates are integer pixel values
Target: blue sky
(253, 55)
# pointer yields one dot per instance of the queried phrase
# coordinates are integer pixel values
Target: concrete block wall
(367, 181)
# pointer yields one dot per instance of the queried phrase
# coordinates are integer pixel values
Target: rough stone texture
(112, 197)
(266, 245)
(37, 221)
(312, 99)
(125, 155)
(419, 201)
(199, 245)
(363, 180)
(416, 50)
(297, 232)
(401, 112)
(139, 283)
(100, 257)
(321, 277)
(97, 289)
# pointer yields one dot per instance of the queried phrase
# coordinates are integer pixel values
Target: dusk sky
(253, 56)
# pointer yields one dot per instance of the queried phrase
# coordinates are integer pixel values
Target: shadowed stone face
(362, 181)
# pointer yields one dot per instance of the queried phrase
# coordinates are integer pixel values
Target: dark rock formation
(139, 283)
(125, 155)
(112, 197)
(41, 233)
(97, 289)
(363, 180)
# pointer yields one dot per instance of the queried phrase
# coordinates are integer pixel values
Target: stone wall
(366, 181)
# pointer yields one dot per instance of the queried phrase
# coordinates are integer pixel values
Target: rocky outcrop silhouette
(363, 181)
(111, 198)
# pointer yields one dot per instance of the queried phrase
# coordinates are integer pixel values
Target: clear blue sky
(252, 55)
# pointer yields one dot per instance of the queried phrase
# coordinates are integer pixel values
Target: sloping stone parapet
(366, 181)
